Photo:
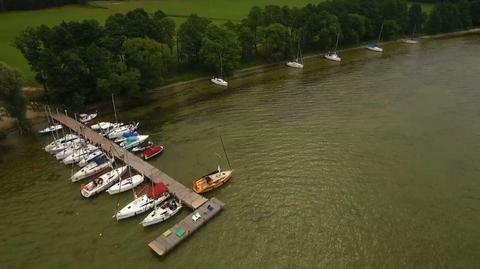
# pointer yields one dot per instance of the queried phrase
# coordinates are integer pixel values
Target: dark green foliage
(445, 17)
(274, 42)
(11, 95)
(475, 12)
(416, 18)
(190, 36)
(219, 41)
(82, 62)
(353, 28)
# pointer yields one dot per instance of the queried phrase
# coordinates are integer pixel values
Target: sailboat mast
(336, 45)
(380, 34)
(221, 66)
(223, 146)
(114, 109)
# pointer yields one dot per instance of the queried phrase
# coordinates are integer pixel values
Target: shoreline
(176, 87)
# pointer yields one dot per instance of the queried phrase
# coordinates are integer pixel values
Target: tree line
(9, 5)
(84, 62)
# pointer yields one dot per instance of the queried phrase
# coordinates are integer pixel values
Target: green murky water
(371, 163)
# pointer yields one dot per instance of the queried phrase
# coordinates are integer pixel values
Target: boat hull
(90, 171)
(295, 65)
(161, 214)
(139, 206)
(375, 49)
(125, 184)
(333, 58)
(218, 179)
(107, 180)
(219, 82)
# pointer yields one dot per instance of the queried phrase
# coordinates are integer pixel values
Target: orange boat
(212, 180)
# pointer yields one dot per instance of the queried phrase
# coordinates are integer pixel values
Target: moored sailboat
(96, 166)
(156, 195)
(161, 213)
(219, 80)
(102, 182)
(298, 62)
(334, 56)
(374, 46)
(126, 184)
(212, 180)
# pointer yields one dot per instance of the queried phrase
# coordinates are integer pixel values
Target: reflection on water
(368, 163)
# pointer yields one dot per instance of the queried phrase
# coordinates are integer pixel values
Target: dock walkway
(201, 205)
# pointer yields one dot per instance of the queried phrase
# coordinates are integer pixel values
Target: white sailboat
(126, 184)
(65, 139)
(62, 146)
(50, 129)
(374, 46)
(119, 131)
(411, 40)
(298, 62)
(163, 212)
(89, 157)
(96, 166)
(79, 154)
(70, 150)
(102, 182)
(84, 118)
(219, 80)
(334, 56)
(144, 202)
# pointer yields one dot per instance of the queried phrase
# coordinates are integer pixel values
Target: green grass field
(11, 23)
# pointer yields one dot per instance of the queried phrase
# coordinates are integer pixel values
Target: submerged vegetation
(79, 63)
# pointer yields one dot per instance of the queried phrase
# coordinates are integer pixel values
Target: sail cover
(157, 191)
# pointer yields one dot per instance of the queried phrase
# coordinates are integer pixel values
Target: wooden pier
(201, 205)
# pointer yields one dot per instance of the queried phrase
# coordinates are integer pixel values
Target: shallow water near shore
(372, 162)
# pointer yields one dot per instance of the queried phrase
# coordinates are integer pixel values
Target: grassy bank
(12, 23)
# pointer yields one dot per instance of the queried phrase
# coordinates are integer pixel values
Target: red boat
(152, 152)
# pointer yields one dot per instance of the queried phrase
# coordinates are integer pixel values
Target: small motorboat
(219, 81)
(51, 129)
(143, 147)
(85, 118)
(124, 137)
(66, 138)
(79, 154)
(70, 150)
(295, 64)
(409, 41)
(212, 180)
(90, 157)
(144, 202)
(102, 182)
(333, 57)
(119, 131)
(125, 184)
(374, 47)
(98, 165)
(60, 147)
(163, 212)
(133, 141)
(152, 152)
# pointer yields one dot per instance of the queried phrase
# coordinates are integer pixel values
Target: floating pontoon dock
(204, 209)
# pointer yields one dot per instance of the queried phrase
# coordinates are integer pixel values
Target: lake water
(371, 163)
